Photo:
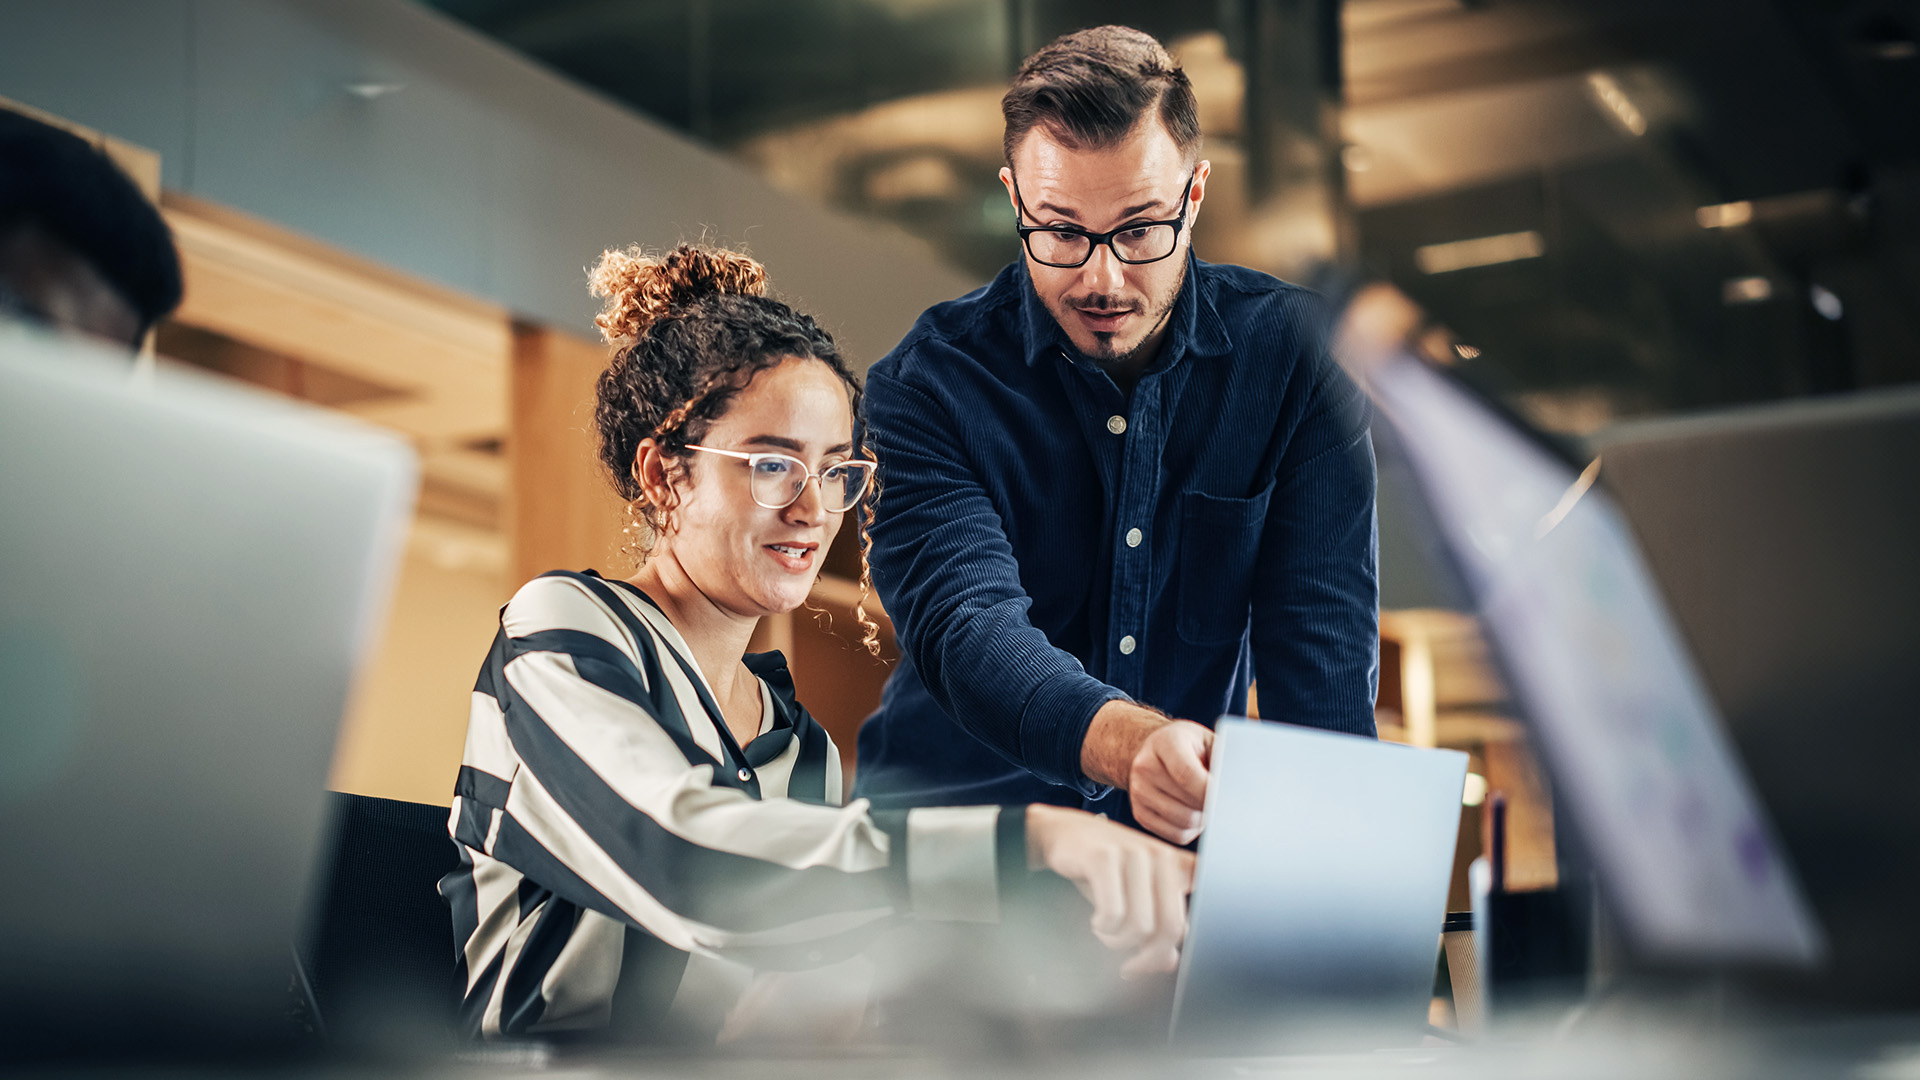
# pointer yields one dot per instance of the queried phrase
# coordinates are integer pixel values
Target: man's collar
(1194, 326)
(1040, 332)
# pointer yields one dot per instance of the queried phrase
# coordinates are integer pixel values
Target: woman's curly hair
(689, 330)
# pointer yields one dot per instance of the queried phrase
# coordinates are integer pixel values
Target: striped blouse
(622, 856)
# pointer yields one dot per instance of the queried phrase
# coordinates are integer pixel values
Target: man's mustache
(1105, 305)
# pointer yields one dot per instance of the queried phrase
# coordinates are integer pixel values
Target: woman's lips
(794, 557)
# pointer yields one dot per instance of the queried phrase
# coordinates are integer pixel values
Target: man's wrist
(1113, 740)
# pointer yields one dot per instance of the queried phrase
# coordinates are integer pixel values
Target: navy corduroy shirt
(1046, 542)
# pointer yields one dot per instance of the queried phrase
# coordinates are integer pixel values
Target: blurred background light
(1479, 251)
(1609, 94)
(1826, 303)
(1724, 215)
(1747, 290)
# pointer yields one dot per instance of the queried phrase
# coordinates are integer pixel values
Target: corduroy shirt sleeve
(1316, 588)
(945, 570)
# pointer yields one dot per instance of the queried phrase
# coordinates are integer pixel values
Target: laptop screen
(1621, 719)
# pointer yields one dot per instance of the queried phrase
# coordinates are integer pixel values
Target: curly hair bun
(641, 289)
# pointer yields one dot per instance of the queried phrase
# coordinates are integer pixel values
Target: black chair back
(378, 957)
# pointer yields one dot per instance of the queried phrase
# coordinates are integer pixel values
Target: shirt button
(1133, 537)
(1117, 425)
(744, 775)
(1126, 645)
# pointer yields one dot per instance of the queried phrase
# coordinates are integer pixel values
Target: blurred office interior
(1612, 210)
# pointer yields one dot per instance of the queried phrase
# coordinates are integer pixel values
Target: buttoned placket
(1143, 437)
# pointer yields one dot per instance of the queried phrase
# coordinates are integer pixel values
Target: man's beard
(1104, 353)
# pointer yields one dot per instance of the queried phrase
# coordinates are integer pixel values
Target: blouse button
(744, 775)
(1117, 424)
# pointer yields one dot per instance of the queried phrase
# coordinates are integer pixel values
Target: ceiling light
(1467, 352)
(368, 91)
(1356, 158)
(1480, 251)
(1746, 290)
(1724, 215)
(1607, 91)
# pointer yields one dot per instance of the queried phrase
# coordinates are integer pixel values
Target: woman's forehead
(798, 401)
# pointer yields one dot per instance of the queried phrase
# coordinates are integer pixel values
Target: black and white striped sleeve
(596, 774)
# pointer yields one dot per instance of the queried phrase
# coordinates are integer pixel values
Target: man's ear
(1199, 190)
(1006, 181)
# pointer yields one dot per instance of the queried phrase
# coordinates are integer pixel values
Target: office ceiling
(1693, 202)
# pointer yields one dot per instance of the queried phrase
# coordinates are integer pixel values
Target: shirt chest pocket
(1219, 546)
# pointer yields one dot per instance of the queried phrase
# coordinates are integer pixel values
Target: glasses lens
(1145, 244)
(776, 480)
(1055, 248)
(842, 485)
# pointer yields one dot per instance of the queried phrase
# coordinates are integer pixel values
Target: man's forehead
(1084, 183)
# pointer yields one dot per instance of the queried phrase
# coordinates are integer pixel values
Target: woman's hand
(1138, 885)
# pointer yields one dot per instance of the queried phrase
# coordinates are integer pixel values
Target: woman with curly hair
(650, 825)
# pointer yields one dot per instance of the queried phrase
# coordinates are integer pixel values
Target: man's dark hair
(55, 181)
(1090, 89)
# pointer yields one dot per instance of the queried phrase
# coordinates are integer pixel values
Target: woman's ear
(650, 473)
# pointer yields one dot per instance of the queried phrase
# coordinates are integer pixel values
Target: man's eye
(1138, 232)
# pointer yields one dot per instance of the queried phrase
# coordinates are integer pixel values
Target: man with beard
(1117, 483)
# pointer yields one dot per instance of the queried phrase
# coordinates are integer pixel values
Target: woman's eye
(772, 468)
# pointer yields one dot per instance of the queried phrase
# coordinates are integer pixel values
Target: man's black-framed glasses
(1069, 246)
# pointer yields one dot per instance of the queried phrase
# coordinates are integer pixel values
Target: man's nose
(1103, 273)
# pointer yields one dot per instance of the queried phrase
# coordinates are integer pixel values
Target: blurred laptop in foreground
(1783, 537)
(1687, 861)
(190, 573)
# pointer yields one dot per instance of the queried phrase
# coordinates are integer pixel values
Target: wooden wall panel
(562, 513)
(406, 724)
(254, 282)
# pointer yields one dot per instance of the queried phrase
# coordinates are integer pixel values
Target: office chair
(377, 958)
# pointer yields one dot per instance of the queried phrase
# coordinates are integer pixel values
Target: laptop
(1782, 538)
(190, 573)
(1319, 892)
(1687, 862)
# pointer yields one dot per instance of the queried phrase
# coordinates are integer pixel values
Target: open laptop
(1782, 536)
(190, 572)
(1685, 857)
(1320, 891)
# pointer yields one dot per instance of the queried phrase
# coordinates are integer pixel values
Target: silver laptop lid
(1320, 890)
(189, 575)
